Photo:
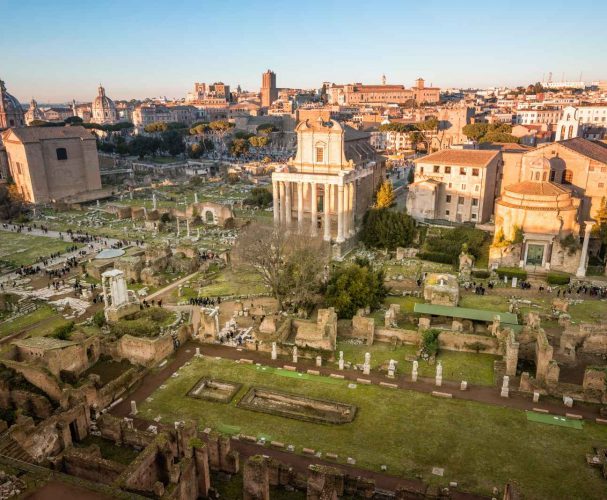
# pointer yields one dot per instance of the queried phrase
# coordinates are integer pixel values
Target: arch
(563, 129)
(209, 216)
(570, 135)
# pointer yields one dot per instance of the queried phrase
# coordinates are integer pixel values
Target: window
(601, 184)
(475, 172)
(448, 198)
(473, 216)
(462, 171)
(61, 153)
(460, 200)
(18, 167)
(552, 175)
(447, 170)
(568, 177)
(437, 169)
(475, 202)
(447, 212)
(421, 170)
(320, 155)
(477, 187)
(450, 185)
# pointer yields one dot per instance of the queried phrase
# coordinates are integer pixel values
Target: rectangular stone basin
(219, 391)
(298, 407)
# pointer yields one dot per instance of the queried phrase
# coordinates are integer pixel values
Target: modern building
(11, 112)
(269, 92)
(457, 185)
(52, 163)
(103, 110)
(582, 121)
(329, 184)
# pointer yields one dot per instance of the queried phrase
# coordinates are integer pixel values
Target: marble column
(300, 205)
(340, 213)
(281, 196)
(581, 270)
(275, 204)
(287, 203)
(326, 213)
(313, 208)
(353, 208)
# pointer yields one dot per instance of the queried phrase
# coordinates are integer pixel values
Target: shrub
(430, 341)
(555, 278)
(63, 332)
(451, 241)
(384, 228)
(442, 258)
(482, 274)
(99, 319)
(512, 272)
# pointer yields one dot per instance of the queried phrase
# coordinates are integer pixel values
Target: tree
(172, 142)
(384, 228)
(475, 131)
(291, 265)
(266, 129)
(259, 197)
(352, 287)
(142, 146)
(384, 197)
(239, 147)
(259, 141)
(73, 120)
(156, 127)
(11, 202)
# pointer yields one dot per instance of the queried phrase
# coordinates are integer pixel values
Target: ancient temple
(329, 184)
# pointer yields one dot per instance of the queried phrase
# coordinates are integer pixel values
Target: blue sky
(57, 50)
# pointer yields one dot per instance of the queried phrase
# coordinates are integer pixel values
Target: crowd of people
(205, 301)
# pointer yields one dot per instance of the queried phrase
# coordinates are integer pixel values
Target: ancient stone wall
(87, 463)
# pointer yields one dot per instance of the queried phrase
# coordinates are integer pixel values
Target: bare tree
(291, 265)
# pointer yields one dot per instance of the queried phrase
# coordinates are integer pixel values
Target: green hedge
(512, 272)
(443, 258)
(558, 278)
(481, 274)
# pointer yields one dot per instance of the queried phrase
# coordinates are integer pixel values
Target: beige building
(454, 185)
(329, 184)
(269, 92)
(11, 112)
(357, 93)
(103, 110)
(53, 163)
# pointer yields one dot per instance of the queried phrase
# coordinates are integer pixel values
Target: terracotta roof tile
(460, 157)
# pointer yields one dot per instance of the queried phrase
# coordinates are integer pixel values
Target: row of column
(342, 195)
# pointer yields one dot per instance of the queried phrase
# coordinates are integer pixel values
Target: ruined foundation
(220, 391)
(298, 407)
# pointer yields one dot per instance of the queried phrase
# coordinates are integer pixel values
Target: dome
(11, 112)
(543, 196)
(103, 108)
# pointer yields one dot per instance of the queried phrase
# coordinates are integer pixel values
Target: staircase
(11, 449)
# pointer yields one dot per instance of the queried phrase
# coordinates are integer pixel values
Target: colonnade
(338, 199)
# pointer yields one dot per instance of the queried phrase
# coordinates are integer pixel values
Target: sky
(62, 49)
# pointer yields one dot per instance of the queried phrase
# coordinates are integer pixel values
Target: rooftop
(506, 318)
(460, 157)
(44, 343)
(36, 134)
(593, 150)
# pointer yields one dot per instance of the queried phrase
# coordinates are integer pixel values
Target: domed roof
(102, 101)
(10, 103)
(542, 195)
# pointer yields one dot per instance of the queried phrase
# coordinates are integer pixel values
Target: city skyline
(136, 52)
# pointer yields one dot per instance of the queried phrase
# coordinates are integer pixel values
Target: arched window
(570, 131)
(320, 154)
(568, 177)
(563, 132)
(61, 153)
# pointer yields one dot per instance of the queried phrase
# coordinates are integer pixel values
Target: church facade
(329, 184)
(11, 112)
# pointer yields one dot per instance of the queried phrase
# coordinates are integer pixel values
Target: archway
(209, 217)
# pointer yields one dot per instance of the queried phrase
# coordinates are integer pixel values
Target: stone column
(287, 203)
(581, 270)
(340, 213)
(346, 210)
(313, 208)
(282, 196)
(352, 223)
(275, 202)
(300, 206)
(327, 215)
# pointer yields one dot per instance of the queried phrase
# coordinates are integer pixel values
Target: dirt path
(170, 287)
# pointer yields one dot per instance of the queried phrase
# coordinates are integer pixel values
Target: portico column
(346, 211)
(353, 208)
(581, 270)
(275, 203)
(282, 210)
(313, 208)
(340, 213)
(327, 215)
(300, 205)
(287, 203)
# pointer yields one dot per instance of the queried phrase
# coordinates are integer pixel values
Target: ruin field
(479, 446)
(22, 249)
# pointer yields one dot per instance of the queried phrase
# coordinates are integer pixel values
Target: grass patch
(40, 322)
(457, 366)
(487, 302)
(589, 311)
(23, 249)
(233, 282)
(110, 451)
(478, 445)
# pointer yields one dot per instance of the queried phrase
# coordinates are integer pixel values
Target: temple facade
(329, 184)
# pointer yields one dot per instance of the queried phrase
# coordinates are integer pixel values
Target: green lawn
(233, 282)
(479, 446)
(457, 366)
(589, 311)
(22, 249)
(45, 315)
(488, 302)
(109, 450)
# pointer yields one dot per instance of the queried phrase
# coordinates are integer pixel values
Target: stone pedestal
(340, 363)
(318, 361)
(463, 386)
(274, 353)
(536, 396)
(505, 387)
(133, 408)
(414, 371)
(567, 401)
